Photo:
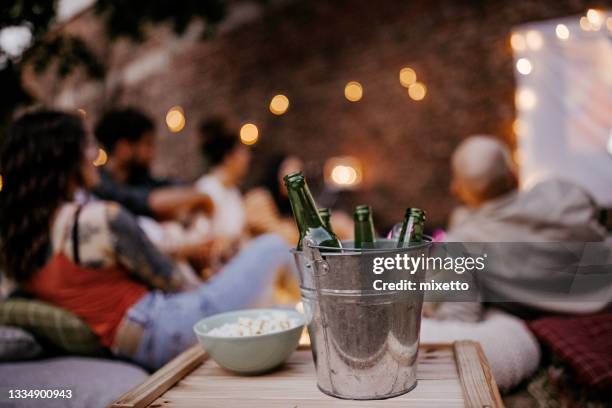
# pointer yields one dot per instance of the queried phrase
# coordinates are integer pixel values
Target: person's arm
(175, 202)
(137, 253)
(163, 201)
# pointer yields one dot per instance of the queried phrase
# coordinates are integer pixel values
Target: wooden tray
(448, 375)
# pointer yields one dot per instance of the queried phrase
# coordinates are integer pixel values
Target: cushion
(93, 382)
(51, 325)
(582, 343)
(16, 344)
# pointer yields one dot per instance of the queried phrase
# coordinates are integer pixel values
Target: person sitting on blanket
(93, 259)
(484, 179)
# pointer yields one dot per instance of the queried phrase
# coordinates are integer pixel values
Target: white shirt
(228, 219)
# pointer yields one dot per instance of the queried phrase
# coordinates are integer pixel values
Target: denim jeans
(167, 319)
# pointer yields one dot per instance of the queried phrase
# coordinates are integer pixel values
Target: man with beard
(128, 137)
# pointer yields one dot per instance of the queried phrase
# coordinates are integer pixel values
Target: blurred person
(484, 180)
(128, 137)
(229, 162)
(269, 209)
(93, 259)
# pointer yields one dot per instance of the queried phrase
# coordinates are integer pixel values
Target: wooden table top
(452, 375)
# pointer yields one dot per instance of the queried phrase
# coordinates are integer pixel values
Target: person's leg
(168, 320)
(249, 277)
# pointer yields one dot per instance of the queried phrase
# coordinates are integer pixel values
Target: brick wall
(308, 50)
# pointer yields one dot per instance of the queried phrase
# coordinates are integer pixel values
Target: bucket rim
(332, 251)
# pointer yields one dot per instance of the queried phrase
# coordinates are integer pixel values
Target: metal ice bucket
(364, 341)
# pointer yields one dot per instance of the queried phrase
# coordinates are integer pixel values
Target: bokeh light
(525, 99)
(343, 172)
(417, 91)
(517, 42)
(353, 91)
(585, 24)
(520, 128)
(279, 104)
(1, 182)
(609, 151)
(523, 66)
(407, 76)
(101, 158)
(249, 134)
(595, 18)
(175, 119)
(562, 32)
(534, 40)
(609, 23)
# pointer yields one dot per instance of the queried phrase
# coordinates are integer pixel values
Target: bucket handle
(319, 265)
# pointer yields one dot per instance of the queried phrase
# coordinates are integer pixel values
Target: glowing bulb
(595, 18)
(519, 128)
(417, 91)
(523, 66)
(562, 32)
(344, 175)
(175, 119)
(279, 104)
(517, 42)
(353, 91)
(342, 172)
(525, 99)
(249, 134)
(534, 40)
(407, 76)
(101, 158)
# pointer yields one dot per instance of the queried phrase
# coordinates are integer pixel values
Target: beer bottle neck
(304, 208)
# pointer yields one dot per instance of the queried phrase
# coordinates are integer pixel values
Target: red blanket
(583, 343)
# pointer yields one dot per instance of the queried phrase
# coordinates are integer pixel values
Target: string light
(534, 40)
(407, 76)
(562, 32)
(525, 99)
(523, 66)
(520, 128)
(342, 172)
(584, 24)
(175, 119)
(249, 134)
(279, 104)
(417, 91)
(517, 42)
(353, 91)
(101, 158)
(595, 19)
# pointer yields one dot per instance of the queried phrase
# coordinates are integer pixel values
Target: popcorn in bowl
(263, 324)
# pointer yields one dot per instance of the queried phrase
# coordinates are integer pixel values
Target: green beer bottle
(325, 214)
(365, 236)
(412, 227)
(306, 215)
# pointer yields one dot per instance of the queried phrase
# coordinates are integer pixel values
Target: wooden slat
(478, 384)
(295, 385)
(448, 376)
(162, 379)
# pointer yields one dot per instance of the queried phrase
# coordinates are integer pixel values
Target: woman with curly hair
(94, 260)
